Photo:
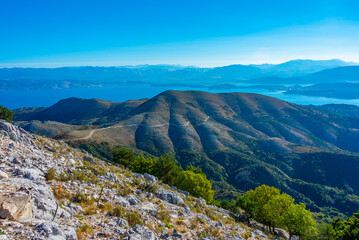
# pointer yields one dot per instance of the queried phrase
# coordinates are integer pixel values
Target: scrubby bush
(51, 174)
(133, 218)
(142, 164)
(6, 114)
(117, 211)
(123, 156)
(83, 230)
(150, 188)
(166, 169)
(196, 184)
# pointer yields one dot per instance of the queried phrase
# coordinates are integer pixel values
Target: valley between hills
(239, 140)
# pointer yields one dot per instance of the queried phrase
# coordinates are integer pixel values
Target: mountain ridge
(240, 139)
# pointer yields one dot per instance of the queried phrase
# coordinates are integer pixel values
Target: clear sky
(51, 33)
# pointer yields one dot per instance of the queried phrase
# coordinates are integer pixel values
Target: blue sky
(43, 33)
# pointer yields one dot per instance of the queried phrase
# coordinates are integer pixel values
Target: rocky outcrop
(91, 199)
(16, 134)
(170, 196)
(15, 205)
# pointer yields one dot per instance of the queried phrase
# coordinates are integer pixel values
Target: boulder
(3, 175)
(51, 230)
(16, 134)
(15, 205)
(133, 200)
(169, 196)
(150, 178)
(122, 223)
(259, 233)
(32, 174)
(121, 201)
(141, 233)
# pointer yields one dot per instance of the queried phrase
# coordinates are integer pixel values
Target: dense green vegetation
(165, 168)
(341, 230)
(6, 114)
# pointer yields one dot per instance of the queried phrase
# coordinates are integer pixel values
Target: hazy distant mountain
(68, 77)
(301, 67)
(334, 75)
(240, 139)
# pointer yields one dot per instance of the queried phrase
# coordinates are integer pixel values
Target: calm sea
(45, 98)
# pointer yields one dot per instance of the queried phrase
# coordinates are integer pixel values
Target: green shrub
(196, 184)
(142, 164)
(150, 188)
(133, 218)
(51, 174)
(123, 156)
(83, 198)
(6, 114)
(164, 216)
(117, 211)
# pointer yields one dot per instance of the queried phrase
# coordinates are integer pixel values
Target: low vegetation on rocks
(70, 194)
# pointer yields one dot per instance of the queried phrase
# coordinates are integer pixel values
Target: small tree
(276, 208)
(166, 169)
(261, 196)
(142, 164)
(299, 222)
(6, 114)
(247, 205)
(123, 156)
(196, 184)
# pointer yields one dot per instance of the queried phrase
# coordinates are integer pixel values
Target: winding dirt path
(91, 133)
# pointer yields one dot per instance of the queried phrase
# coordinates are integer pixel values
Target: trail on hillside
(91, 133)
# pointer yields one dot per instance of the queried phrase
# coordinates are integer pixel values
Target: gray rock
(75, 208)
(70, 233)
(203, 217)
(169, 196)
(235, 237)
(32, 174)
(122, 202)
(3, 175)
(51, 230)
(16, 134)
(43, 202)
(133, 200)
(142, 233)
(112, 177)
(122, 223)
(201, 201)
(259, 233)
(15, 205)
(183, 192)
(150, 178)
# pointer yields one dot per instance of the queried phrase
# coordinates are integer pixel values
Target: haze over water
(44, 98)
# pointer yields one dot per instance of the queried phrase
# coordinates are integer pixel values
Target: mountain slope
(49, 190)
(243, 140)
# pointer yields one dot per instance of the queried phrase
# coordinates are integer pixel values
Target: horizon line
(23, 65)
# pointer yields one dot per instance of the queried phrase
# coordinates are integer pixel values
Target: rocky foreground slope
(49, 190)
